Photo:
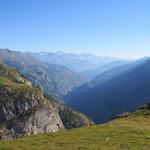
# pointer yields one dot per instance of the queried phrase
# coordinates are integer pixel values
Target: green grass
(15, 89)
(121, 134)
(8, 81)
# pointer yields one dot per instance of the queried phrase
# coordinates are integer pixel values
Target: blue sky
(104, 27)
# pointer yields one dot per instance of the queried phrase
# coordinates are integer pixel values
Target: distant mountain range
(76, 62)
(115, 91)
(90, 74)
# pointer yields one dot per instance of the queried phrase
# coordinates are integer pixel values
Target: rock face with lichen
(23, 109)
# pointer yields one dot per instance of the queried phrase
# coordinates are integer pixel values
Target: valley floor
(131, 133)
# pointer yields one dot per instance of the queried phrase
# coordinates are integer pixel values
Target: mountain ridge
(77, 62)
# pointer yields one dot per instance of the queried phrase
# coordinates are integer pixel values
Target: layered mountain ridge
(76, 62)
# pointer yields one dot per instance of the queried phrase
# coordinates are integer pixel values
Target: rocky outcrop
(24, 110)
(11, 73)
(42, 121)
(25, 117)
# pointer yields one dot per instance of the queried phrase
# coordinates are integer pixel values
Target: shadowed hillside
(114, 92)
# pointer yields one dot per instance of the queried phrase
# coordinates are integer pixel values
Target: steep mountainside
(53, 79)
(114, 92)
(76, 62)
(130, 131)
(24, 110)
(102, 78)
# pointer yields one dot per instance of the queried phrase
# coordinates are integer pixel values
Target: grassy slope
(125, 133)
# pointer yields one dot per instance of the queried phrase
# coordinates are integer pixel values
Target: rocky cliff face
(23, 109)
(28, 118)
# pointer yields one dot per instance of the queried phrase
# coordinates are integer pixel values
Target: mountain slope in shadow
(114, 92)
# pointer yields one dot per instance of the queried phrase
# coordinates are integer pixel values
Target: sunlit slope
(131, 131)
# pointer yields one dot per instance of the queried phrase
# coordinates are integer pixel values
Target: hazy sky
(104, 27)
